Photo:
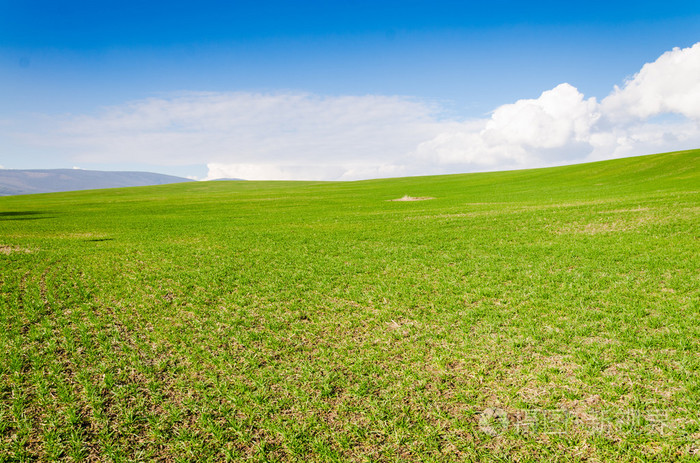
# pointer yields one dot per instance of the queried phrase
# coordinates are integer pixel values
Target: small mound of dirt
(412, 198)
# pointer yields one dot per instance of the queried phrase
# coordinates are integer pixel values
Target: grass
(539, 315)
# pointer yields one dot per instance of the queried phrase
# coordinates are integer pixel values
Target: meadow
(536, 315)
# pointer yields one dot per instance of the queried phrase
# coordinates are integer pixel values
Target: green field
(319, 321)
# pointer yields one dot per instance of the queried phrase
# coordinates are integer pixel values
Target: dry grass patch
(7, 250)
(612, 226)
(618, 211)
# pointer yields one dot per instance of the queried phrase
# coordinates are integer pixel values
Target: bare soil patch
(412, 198)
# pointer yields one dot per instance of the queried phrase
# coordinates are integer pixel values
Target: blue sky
(405, 86)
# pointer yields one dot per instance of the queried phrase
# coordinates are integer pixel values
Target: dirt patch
(4, 249)
(412, 198)
(612, 226)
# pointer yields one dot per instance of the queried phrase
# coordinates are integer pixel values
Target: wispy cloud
(306, 136)
(244, 135)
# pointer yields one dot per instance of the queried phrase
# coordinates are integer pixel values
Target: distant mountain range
(22, 182)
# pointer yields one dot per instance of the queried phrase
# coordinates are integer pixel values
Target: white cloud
(305, 136)
(671, 84)
(554, 127)
(562, 126)
(273, 171)
(644, 138)
(558, 117)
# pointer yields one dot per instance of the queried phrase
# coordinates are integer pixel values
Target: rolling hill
(535, 315)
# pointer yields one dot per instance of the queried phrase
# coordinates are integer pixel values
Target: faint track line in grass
(22, 289)
(43, 293)
(42, 289)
